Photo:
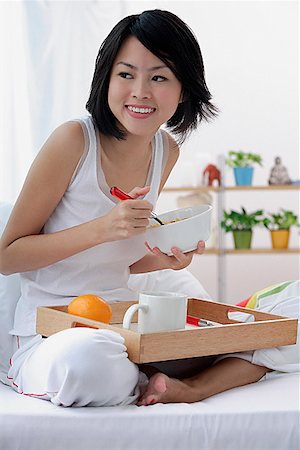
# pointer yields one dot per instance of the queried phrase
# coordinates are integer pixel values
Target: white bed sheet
(261, 416)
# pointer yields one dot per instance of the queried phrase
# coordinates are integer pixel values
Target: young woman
(68, 236)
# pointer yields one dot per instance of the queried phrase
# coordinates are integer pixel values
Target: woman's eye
(158, 78)
(125, 75)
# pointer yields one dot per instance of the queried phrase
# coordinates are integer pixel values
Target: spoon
(116, 192)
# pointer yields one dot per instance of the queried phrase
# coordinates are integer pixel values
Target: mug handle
(130, 312)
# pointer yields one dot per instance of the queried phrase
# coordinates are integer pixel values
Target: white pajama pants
(76, 367)
(83, 366)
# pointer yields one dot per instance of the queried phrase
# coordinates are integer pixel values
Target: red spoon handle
(116, 192)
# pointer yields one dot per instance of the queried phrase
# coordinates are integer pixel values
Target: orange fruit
(92, 307)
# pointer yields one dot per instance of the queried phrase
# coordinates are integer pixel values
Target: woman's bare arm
(23, 246)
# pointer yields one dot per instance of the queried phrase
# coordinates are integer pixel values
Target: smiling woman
(68, 235)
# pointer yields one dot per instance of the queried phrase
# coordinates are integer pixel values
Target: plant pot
(243, 176)
(242, 239)
(280, 238)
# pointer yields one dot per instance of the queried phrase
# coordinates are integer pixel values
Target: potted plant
(241, 225)
(279, 225)
(242, 164)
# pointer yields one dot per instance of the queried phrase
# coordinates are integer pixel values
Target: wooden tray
(267, 330)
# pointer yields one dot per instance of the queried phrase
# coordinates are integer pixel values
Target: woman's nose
(141, 89)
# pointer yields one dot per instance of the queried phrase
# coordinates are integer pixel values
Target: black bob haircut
(172, 41)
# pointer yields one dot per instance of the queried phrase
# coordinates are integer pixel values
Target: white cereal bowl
(192, 225)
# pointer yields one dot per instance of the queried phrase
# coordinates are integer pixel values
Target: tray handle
(82, 325)
(218, 312)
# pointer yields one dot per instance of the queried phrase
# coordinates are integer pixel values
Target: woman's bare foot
(226, 374)
(162, 389)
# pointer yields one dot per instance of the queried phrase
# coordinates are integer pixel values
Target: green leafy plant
(243, 159)
(282, 220)
(241, 221)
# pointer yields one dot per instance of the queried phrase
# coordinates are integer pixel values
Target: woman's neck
(129, 149)
(126, 163)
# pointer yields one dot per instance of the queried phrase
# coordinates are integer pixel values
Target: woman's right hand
(128, 218)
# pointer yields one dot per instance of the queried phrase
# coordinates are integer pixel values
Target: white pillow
(9, 296)
(163, 280)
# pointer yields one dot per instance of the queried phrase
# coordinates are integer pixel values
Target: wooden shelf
(212, 251)
(193, 189)
(262, 250)
(284, 187)
(233, 251)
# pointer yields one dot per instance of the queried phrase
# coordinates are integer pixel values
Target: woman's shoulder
(172, 155)
(171, 146)
(62, 151)
(67, 140)
(69, 132)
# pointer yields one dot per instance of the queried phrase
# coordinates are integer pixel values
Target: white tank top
(102, 270)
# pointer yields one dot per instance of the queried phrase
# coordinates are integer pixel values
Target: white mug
(158, 311)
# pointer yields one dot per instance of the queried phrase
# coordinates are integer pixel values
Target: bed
(260, 416)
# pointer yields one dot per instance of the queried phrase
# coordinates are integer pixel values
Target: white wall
(250, 50)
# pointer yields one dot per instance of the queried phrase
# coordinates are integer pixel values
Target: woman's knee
(83, 347)
(81, 367)
(93, 361)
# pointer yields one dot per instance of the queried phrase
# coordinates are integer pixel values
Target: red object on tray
(191, 320)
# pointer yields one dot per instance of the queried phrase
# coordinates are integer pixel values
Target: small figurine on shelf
(279, 173)
(210, 174)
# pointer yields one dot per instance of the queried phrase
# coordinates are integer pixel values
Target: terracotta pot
(242, 239)
(280, 238)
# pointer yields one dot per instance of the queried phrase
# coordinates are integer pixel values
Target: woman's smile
(140, 111)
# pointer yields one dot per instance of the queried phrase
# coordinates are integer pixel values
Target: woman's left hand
(178, 260)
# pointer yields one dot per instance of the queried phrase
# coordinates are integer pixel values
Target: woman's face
(143, 92)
